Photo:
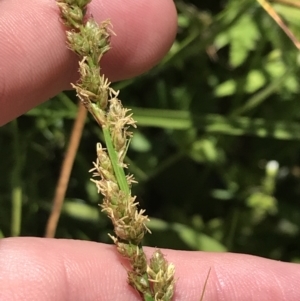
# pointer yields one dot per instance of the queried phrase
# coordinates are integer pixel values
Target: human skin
(40, 269)
(35, 65)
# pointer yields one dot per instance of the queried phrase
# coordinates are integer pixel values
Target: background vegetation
(212, 115)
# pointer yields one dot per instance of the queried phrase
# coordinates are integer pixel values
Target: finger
(36, 65)
(48, 269)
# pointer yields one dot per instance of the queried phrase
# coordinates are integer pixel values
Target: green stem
(16, 184)
(16, 211)
(118, 169)
(232, 228)
(262, 96)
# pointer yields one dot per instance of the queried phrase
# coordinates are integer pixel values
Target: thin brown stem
(288, 2)
(273, 14)
(66, 169)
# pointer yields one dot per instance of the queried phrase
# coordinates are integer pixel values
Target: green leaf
(290, 14)
(205, 150)
(243, 37)
(157, 224)
(197, 240)
(213, 123)
(226, 88)
(191, 237)
(79, 210)
(139, 142)
(255, 81)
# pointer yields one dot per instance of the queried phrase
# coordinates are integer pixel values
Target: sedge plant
(154, 278)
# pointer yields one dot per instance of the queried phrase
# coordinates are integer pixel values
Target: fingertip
(86, 270)
(37, 65)
(145, 31)
(61, 270)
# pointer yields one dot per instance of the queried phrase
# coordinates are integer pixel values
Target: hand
(36, 65)
(40, 269)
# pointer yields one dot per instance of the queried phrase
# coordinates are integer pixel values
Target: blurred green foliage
(211, 116)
